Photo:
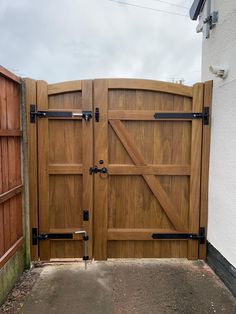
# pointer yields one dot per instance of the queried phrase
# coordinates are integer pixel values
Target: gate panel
(65, 152)
(154, 168)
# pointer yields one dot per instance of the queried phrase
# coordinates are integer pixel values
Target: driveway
(128, 286)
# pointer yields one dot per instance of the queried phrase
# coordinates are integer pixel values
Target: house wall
(220, 49)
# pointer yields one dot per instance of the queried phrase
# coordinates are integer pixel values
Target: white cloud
(59, 40)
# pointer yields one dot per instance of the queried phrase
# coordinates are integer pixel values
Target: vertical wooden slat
(1, 231)
(100, 184)
(43, 180)
(5, 159)
(196, 139)
(30, 98)
(10, 163)
(87, 140)
(14, 162)
(206, 137)
(2, 106)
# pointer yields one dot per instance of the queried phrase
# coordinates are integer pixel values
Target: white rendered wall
(219, 49)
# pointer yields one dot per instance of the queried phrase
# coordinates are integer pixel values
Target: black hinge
(86, 115)
(201, 237)
(97, 114)
(85, 215)
(45, 236)
(204, 115)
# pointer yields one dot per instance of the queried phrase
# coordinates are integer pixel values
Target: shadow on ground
(128, 286)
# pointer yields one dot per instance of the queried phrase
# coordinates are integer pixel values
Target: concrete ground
(129, 286)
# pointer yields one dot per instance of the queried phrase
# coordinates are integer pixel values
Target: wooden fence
(11, 229)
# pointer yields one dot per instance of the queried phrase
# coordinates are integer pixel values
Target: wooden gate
(144, 144)
(64, 155)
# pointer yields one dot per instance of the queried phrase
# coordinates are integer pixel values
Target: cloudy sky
(59, 40)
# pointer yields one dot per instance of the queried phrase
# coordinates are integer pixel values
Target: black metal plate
(59, 114)
(177, 115)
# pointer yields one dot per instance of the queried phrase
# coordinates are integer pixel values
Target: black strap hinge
(86, 115)
(201, 237)
(46, 236)
(204, 115)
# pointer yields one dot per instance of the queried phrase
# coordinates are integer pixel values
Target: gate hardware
(45, 236)
(212, 19)
(97, 114)
(185, 115)
(96, 170)
(201, 237)
(86, 115)
(85, 215)
(85, 238)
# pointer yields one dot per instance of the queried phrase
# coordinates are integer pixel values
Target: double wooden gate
(125, 160)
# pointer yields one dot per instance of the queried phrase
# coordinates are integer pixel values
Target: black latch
(34, 236)
(85, 215)
(97, 114)
(33, 113)
(97, 170)
(86, 115)
(201, 237)
(204, 115)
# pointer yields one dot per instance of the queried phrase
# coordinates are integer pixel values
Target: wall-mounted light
(219, 71)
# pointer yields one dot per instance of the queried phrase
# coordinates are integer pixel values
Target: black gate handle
(98, 170)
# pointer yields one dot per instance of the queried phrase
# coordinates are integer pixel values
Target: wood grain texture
(154, 168)
(196, 145)
(206, 139)
(32, 143)
(161, 170)
(150, 86)
(11, 133)
(11, 229)
(65, 169)
(64, 87)
(140, 115)
(135, 234)
(5, 164)
(65, 150)
(6, 73)
(87, 147)
(11, 251)
(43, 179)
(100, 185)
(151, 180)
(149, 163)
(11, 193)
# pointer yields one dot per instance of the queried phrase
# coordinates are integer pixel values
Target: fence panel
(11, 229)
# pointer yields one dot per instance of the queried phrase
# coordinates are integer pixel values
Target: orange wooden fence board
(11, 231)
